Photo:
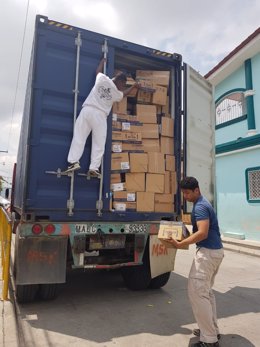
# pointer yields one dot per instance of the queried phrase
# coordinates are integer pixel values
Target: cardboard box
(116, 147)
(172, 230)
(163, 203)
(159, 97)
(132, 137)
(166, 108)
(142, 110)
(144, 97)
(167, 187)
(173, 182)
(132, 147)
(131, 206)
(147, 119)
(135, 182)
(146, 90)
(120, 162)
(115, 178)
(116, 126)
(167, 128)
(167, 145)
(138, 162)
(146, 113)
(124, 206)
(158, 77)
(145, 202)
(124, 196)
(156, 163)
(150, 131)
(129, 82)
(116, 187)
(154, 183)
(127, 136)
(120, 107)
(169, 162)
(116, 136)
(151, 145)
(132, 127)
(119, 117)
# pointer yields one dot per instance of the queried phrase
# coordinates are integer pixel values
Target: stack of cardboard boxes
(143, 175)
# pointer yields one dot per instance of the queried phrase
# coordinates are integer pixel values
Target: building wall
(236, 80)
(238, 217)
(231, 132)
(256, 86)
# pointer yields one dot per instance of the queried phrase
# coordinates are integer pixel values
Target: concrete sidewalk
(242, 246)
(8, 324)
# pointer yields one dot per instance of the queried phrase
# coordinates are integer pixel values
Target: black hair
(189, 183)
(121, 76)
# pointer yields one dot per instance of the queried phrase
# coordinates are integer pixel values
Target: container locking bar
(99, 203)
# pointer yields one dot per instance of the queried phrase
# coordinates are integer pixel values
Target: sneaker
(73, 167)
(94, 173)
(205, 344)
(196, 332)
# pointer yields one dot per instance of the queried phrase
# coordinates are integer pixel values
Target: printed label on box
(114, 117)
(125, 165)
(120, 206)
(130, 197)
(117, 148)
(117, 187)
(126, 126)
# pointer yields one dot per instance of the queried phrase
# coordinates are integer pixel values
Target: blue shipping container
(47, 125)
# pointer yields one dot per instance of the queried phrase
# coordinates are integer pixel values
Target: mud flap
(41, 260)
(162, 258)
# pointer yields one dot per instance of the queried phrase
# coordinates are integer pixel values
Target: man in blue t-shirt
(208, 257)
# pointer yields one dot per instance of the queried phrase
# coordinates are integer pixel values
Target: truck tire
(160, 281)
(138, 277)
(26, 292)
(48, 291)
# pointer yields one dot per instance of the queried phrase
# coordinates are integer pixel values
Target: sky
(202, 31)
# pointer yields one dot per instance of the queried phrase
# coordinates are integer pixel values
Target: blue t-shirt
(202, 210)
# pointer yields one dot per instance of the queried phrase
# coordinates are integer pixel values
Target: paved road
(95, 309)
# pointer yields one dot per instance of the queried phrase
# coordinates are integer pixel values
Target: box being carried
(172, 230)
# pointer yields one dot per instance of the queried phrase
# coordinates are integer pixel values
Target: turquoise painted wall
(233, 131)
(236, 80)
(235, 214)
(255, 61)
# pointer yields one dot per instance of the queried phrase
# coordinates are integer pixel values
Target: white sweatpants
(200, 282)
(89, 119)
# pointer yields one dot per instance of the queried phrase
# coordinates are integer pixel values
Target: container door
(198, 131)
(51, 121)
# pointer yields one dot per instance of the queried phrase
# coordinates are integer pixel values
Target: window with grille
(253, 184)
(230, 108)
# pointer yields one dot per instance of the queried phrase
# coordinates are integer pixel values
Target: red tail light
(37, 229)
(49, 229)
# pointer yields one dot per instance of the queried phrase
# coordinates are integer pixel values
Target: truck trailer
(69, 220)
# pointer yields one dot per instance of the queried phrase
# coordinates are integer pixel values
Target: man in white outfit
(93, 117)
